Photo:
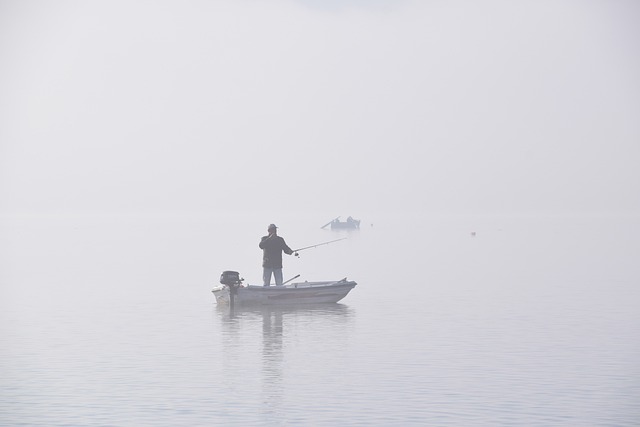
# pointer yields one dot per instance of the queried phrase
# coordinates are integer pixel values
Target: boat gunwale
(301, 286)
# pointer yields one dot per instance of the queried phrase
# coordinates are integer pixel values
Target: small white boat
(288, 294)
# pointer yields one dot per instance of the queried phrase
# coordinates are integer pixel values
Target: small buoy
(473, 234)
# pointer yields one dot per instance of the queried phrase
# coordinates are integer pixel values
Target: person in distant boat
(272, 248)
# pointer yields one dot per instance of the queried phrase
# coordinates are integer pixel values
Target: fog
(146, 145)
(355, 107)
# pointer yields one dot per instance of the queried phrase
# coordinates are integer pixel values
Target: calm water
(109, 321)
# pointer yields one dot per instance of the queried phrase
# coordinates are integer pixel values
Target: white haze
(423, 107)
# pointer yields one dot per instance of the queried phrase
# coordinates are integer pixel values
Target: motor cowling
(230, 278)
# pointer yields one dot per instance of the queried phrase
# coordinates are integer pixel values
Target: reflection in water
(279, 328)
(272, 360)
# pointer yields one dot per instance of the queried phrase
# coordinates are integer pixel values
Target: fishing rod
(314, 246)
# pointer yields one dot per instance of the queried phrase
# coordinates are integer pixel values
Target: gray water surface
(110, 321)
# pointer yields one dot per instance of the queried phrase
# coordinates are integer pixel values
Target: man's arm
(286, 249)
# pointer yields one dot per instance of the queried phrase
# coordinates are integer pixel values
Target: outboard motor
(233, 281)
(230, 278)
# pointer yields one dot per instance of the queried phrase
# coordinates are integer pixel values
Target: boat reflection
(294, 309)
(289, 334)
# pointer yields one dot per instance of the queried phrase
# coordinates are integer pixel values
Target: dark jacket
(272, 251)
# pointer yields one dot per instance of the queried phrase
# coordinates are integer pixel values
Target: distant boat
(349, 224)
(288, 294)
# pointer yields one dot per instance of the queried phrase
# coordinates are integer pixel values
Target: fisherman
(272, 247)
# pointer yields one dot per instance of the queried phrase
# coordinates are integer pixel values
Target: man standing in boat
(272, 247)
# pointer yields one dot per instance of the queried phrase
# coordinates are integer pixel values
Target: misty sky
(349, 107)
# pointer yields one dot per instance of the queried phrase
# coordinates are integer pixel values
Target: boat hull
(353, 225)
(292, 294)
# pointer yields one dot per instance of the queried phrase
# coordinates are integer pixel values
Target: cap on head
(271, 227)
